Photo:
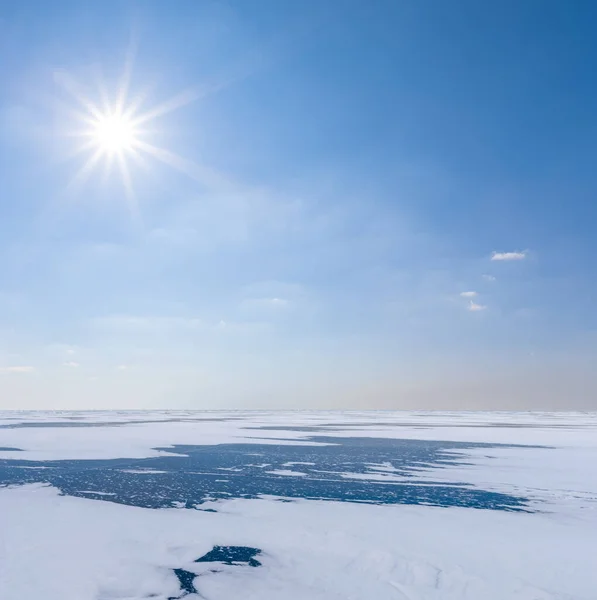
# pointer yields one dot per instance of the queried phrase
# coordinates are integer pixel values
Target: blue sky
(368, 205)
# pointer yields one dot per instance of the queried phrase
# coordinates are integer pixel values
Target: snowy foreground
(467, 506)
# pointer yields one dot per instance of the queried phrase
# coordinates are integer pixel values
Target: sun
(114, 131)
(114, 134)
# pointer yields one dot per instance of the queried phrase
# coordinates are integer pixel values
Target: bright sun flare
(114, 133)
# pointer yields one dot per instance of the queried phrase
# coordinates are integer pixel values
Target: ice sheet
(61, 547)
(64, 548)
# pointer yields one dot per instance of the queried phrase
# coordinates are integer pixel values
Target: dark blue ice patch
(250, 470)
(227, 555)
(232, 555)
(9, 449)
(83, 424)
(186, 579)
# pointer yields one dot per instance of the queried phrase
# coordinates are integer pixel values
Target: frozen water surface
(407, 506)
(201, 473)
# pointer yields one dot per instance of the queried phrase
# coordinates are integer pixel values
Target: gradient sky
(357, 204)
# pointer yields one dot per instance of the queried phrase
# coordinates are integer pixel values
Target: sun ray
(102, 90)
(139, 159)
(118, 136)
(74, 89)
(128, 186)
(86, 147)
(125, 80)
(68, 112)
(107, 167)
(204, 175)
(174, 103)
(83, 173)
(136, 102)
(196, 93)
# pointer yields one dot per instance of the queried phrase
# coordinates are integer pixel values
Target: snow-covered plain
(61, 547)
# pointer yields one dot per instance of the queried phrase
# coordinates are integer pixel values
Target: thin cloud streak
(474, 307)
(18, 369)
(267, 302)
(509, 255)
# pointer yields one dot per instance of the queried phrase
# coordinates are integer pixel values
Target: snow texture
(60, 547)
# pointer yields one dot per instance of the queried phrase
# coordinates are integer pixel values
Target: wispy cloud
(150, 324)
(470, 294)
(71, 364)
(170, 326)
(488, 277)
(62, 349)
(17, 369)
(274, 289)
(474, 307)
(267, 302)
(509, 255)
(242, 327)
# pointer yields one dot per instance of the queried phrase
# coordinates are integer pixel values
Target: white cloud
(62, 349)
(122, 367)
(277, 301)
(267, 302)
(474, 307)
(509, 255)
(488, 277)
(468, 294)
(72, 364)
(17, 369)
